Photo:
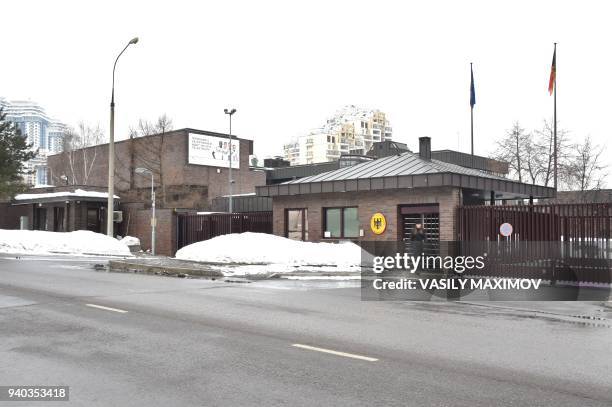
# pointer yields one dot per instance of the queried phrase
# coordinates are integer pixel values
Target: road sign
(505, 229)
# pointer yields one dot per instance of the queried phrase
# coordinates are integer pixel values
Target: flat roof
(76, 195)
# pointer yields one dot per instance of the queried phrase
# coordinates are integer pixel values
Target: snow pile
(275, 253)
(130, 241)
(81, 242)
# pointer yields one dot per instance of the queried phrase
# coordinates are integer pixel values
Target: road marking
(334, 352)
(106, 308)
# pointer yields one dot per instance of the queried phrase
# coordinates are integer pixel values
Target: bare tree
(512, 149)
(147, 152)
(80, 151)
(532, 160)
(544, 148)
(585, 171)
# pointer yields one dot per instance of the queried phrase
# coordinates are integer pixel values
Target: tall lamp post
(145, 171)
(230, 113)
(111, 152)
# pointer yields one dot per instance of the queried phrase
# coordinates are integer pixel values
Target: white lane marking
(106, 308)
(333, 352)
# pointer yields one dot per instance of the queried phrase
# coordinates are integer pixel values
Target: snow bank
(130, 241)
(277, 253)
(79, 242)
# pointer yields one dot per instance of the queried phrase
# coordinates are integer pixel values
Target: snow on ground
(130, 241)
(259, 253)
(81, 242)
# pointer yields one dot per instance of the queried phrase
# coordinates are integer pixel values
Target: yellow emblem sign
(378, 223)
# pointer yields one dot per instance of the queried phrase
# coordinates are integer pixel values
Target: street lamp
(145, 171)
(230, 113)
(111, 152)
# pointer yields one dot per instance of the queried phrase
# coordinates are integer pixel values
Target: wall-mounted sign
(505, 229)
(378, 223)
(213, 151)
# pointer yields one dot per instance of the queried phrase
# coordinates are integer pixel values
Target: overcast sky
(287, 65)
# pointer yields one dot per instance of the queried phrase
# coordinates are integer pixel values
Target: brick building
(190, 168)
(180, 182)
(406, 188)
(57, 209)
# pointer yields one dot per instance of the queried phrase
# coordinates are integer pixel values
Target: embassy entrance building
(385, 198)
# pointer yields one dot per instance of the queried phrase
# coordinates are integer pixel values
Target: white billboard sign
(213, 151)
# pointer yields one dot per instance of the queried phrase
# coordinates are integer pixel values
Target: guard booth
(60, 209)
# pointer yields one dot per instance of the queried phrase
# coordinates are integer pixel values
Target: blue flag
(472, 89)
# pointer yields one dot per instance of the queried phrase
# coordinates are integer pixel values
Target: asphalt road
(164, 341)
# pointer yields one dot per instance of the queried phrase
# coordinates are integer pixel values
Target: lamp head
(230, 112)
(142, 170)
(134, 40)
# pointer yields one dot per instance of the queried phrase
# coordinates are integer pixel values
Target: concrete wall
(368, 203)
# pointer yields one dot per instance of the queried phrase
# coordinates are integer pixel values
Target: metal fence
(558, 222)
(195, 228)
(557, 242)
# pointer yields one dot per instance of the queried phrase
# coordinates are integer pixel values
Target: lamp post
(230, 113)
(111, 151)
(145, 171)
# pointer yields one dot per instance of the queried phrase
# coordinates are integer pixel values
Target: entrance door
(296, 221)
(93, 219)
(426, 215)
(429, 217)
(40, 219)
(58, 219)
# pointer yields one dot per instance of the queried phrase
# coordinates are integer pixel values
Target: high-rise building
(44, 134)
(351, 130)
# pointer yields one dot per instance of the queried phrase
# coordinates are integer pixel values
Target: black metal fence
(557, 242)
(557, 222)
(193, 228)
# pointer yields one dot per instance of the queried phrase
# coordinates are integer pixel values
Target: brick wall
(368, 203)
(185, 185)
(137, 223)
(10, 215)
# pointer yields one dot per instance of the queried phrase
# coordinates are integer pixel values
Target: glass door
(296, 221)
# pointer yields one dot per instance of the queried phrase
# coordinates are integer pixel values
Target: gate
(195, 228)
(556, 222)
(556, 242)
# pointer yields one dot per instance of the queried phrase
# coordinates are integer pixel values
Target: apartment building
(351, 130)
(44, 134)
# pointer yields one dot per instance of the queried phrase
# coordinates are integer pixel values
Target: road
(140, 340)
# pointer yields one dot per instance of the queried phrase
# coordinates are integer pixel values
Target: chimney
(425, 148)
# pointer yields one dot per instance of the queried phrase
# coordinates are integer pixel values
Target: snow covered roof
(234, 195)
(50, 196)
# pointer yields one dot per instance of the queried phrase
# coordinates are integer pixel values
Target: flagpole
(472, 114)
(555, 118)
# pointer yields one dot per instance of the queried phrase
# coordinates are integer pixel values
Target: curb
(127, 266)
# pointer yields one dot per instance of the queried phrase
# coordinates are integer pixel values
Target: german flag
(553, 73)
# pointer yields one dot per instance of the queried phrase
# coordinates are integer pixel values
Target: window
(341, 222)
(296, 224)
